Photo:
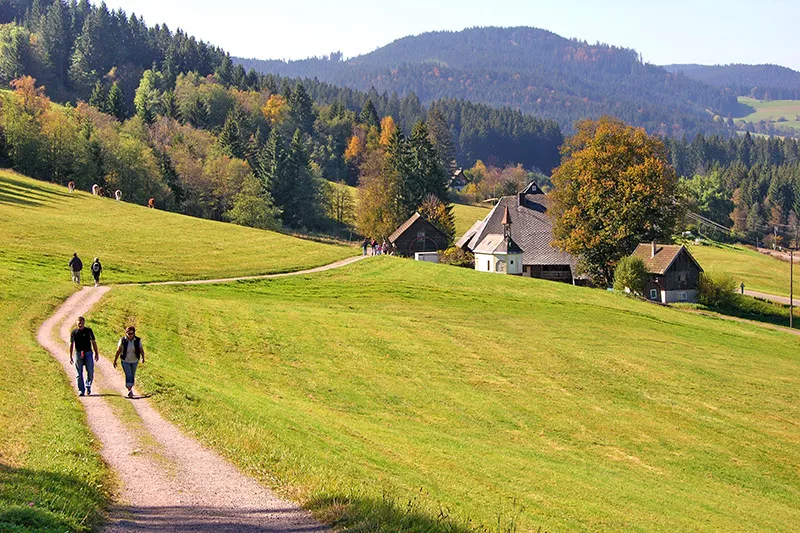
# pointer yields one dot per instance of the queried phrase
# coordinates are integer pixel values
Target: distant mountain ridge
(530, 69)
(765, 82)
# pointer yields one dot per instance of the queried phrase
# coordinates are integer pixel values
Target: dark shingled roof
(531, 229)
(666, 254)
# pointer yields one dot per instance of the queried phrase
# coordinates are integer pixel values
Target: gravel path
(168, 481)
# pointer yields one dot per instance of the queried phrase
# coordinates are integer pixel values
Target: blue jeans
(87, 361)
(130, 373)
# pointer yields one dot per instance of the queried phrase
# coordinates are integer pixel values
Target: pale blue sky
(668, 31)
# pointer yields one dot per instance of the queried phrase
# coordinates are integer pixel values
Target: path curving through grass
(168, 481)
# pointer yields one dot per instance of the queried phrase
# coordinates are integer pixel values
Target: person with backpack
(75, 266)
(96, 269)
(132, 353)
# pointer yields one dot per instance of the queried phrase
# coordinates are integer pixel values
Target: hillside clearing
(51, 475)
(393, 385)
(782, 113)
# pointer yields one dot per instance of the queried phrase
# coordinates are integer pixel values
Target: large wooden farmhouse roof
(665, 254)
(531, 229)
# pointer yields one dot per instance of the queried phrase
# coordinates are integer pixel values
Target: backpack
(96, 267)
(137, 347)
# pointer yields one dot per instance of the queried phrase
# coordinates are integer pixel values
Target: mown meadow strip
(393, 395)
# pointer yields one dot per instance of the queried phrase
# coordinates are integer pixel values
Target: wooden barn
(674, 273)
(417, 235)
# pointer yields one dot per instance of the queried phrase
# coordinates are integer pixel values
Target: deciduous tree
(615, 189)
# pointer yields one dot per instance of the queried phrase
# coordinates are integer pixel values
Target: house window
(653, 294)
(682, 276)
(683, 296)
(488, 266)
(420, 235)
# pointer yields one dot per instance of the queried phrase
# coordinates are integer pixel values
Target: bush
(716, 290)
(457, 257)
(631, 274)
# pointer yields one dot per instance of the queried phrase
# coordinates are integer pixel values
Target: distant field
(466, 215)
(51, 474)
(390, 393)
(773, 111)
(759, 272)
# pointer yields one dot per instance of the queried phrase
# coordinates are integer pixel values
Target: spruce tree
(99, 98)
(233, 138)
(55, 39)
(115, 104)
(369, 115)
(442, 139)
(301, 109)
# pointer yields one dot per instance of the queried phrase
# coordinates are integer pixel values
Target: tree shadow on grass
(358, 514)
(37, 500)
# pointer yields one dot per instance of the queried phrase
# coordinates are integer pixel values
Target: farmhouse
(674, 273)
(530, 228)
(417, 235)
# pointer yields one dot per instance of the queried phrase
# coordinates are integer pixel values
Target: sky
(664, 32)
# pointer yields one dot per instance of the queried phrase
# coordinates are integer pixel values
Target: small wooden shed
(417, 235)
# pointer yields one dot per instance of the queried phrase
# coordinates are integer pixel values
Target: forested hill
(764, 82)
(529, 69)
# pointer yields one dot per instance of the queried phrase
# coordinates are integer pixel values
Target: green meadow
(782, 113)
(466, 215)
(51, 475)
(393, 395)
(758, 271)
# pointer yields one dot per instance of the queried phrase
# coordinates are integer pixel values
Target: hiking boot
(88, 391)
(130, 394)
(81, 393)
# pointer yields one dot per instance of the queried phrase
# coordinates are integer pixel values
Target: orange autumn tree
(613, 190)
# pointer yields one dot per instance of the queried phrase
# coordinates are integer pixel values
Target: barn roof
(532, 230)
(662, 260)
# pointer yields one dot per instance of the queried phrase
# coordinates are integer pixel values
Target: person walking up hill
(132, 352)
(96, 268)
(75, 266)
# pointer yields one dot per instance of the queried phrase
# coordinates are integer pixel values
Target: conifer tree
(99, 98)
(115, 104)
(442, 139)
(369, 115)
(56, 42)
(233, 136)
(301, 109)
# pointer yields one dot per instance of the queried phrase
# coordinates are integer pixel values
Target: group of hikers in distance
(377, 249)
(76, 266)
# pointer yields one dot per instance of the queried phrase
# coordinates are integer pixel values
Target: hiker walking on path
(364, 245)
(130, 348)
(96, 268)
(84, 348)
(75, 266)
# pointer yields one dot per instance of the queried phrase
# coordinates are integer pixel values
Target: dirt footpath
(168, 481)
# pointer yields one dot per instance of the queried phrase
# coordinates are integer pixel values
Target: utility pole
(791, 287)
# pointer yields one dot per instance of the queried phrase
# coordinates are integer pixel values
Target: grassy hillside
(391, 393)
(783, 113)
(759, 272)
(466, 215)
(51, 476)
(44, 224)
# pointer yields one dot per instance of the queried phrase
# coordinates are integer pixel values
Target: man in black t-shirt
(83, 345)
